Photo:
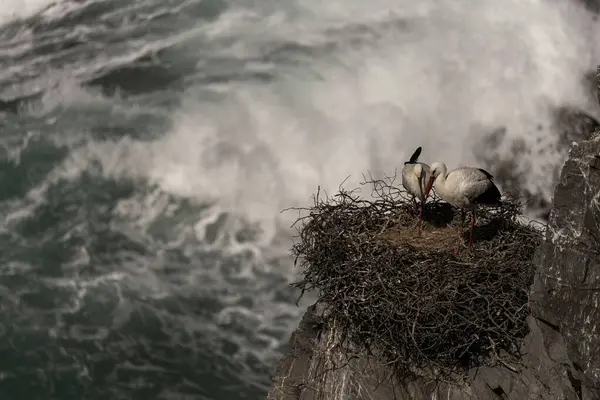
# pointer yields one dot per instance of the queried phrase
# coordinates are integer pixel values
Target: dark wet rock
(566, 291)
(560, 353)
(511, 167)
(545, 372)
(592, 5)
(572, 126)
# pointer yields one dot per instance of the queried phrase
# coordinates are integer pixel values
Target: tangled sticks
(410, 299)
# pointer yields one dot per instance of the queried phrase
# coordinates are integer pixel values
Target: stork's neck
(440, 182)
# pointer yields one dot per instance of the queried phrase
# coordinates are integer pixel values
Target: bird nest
(410, 299)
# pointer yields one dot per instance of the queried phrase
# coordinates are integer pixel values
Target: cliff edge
(559, 356)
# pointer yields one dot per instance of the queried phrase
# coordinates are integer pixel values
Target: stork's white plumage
(415, 176)
(466, 188)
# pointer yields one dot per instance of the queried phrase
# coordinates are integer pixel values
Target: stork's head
(437, 169)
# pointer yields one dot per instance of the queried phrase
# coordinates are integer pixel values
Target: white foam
(429, 75)
(435, 75)
(19, 9)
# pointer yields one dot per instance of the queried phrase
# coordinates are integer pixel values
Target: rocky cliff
(560, 354)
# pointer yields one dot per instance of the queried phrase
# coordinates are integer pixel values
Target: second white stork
(465, 188)
(415, 176)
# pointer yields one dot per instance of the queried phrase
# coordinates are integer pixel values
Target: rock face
(566, 292)
(561, 353)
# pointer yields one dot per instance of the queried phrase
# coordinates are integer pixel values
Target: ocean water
(156, 142)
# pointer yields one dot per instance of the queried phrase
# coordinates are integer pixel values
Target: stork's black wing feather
(490, 197)
(487, 174)
(415, 156)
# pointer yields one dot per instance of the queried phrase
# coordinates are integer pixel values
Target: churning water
(144, 252)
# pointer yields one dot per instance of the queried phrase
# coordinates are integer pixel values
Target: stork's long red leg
(458, 245)
(420, 217)
(472, 226)
(460, 230)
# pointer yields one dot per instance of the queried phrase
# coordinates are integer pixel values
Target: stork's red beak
(429, 186)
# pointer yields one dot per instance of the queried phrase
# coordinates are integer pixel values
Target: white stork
(465, 188)
(415, 176)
